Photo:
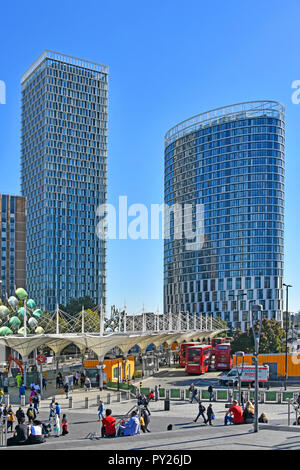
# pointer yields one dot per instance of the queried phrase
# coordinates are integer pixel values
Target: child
(64, 425)
(100, 410)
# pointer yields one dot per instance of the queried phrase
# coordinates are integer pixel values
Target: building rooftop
(67, 59)
(225, 114)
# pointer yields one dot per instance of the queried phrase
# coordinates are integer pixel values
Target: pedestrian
(71, 382)
(36, 402)
(145, 404)
(87, 384)
(156, 393)
(20, 415)
(44, 383)
(22, 391)
(51, 409)
(66, 389)
(10, 419)
(193, 393)
(146, 419)
(211, 392)
(82, 379)
(100, 410)
(200, 413)
(242, 400)
(298, 399)
(19, 380)
(5, 385)
(57, 409)
(31, 414)
(234, 415)
(210, 414)
(1, 396)
(64, 425)
(150, 395)
(56, 427)
(108, 424)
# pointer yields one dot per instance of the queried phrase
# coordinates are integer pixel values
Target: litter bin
(167, 404)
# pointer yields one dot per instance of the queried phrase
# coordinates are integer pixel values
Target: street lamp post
(286, 331)
(240, 371)
(256, 335)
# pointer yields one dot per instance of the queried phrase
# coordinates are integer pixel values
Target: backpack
(30, 413)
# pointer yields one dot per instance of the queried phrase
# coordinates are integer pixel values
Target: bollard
(108, 399)
(70, 402)
(98, 399)
(86, 402)
(279, 397)
(167, 394)
(128, 394)
(182, 394)
(22, 400)
(6, 400)
(167, 404)
(119, 396)
(3, 434)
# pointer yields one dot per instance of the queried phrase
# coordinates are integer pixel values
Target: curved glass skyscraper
(230, 162)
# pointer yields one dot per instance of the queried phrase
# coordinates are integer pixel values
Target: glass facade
(64, 174)
(231, 161)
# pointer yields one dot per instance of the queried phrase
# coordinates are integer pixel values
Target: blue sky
(168, 61)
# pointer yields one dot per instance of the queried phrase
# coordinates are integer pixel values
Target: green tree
(74, 305)
(271, 339)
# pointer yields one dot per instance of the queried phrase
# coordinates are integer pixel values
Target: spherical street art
(12, 315)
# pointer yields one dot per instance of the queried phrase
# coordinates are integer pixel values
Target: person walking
(100, 410)
(193, 393)
(36, 402)
(10, 419)
(57, 409)
(211, 392)
(20, 415)
(31, 414)
(146, 420)
(64, 425)
(22, 391)
(156, 392)
(56, 427)
(66, 389)
(242, 401)
(44, 383)
(145, 403)
(1, 396)
(87, 384)
(210, 414)
(200, 413)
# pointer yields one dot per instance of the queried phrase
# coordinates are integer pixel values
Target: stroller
(46, 429)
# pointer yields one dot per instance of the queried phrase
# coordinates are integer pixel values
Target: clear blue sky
(168, 60)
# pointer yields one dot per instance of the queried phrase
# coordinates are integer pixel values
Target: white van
(248, 375)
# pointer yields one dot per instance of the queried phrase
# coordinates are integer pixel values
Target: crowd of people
(35, 431)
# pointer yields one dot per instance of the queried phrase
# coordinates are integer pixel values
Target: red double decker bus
(223, 359)
(198, 359)
(215, 341)
(183, 348)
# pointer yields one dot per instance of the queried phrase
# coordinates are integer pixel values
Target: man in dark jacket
(20, 415)
(201, 413)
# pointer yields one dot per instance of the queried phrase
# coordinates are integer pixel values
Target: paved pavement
(185, 433)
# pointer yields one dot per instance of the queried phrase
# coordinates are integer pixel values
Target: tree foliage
(74, 305)
(271, 339)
